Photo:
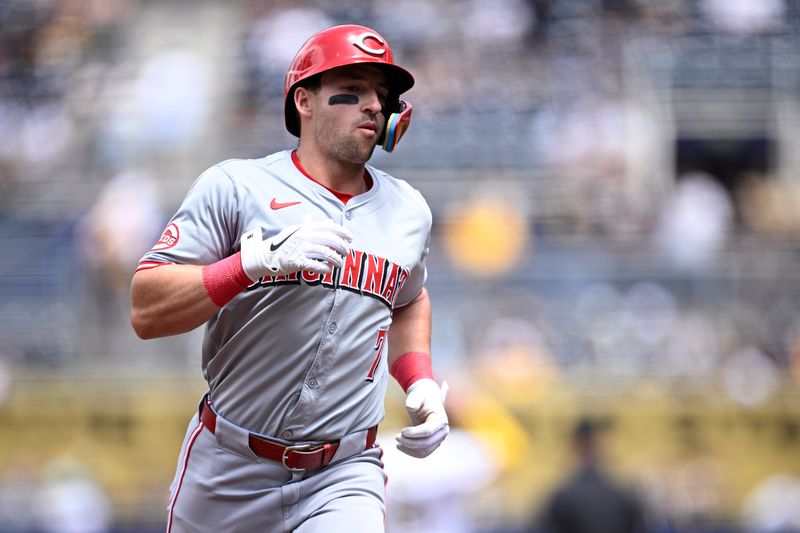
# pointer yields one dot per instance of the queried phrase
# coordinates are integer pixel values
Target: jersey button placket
(348, 215)
(332, 328)
(313, 383)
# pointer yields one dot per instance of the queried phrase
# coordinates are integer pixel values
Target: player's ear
(302, 101)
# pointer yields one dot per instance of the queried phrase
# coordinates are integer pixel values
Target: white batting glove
(314, 246)
(425, 406)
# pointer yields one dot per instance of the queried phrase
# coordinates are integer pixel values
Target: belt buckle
(298, 448)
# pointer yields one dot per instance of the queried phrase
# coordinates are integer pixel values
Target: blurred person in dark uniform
(590, 500)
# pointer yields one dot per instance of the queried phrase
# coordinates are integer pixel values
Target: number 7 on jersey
(379, 342)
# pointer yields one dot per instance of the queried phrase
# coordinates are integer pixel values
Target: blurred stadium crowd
(617, 225)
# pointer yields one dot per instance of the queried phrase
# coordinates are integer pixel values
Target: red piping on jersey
(147, 265)
(343, 196)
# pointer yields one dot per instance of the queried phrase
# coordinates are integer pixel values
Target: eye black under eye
(347, 98)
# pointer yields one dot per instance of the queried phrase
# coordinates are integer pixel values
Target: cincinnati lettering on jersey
(362, 273)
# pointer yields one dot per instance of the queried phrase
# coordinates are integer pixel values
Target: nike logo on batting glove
(273, 246)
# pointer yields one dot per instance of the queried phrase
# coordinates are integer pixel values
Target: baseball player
(307, 267)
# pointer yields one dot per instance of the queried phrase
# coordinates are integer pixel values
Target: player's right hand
(314, 246)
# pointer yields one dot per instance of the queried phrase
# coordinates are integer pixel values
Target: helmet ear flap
(397, 124)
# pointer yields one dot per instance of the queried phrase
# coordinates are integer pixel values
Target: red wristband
(225, 279)
(411, 367)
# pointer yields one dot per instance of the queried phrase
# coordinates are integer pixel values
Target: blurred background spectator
(70, 501)
(589, 499)
(617, 231)
(773, 506)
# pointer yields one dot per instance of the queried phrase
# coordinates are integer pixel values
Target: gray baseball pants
(221, 486)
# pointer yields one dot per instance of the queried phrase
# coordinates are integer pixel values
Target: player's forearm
(410, 365)
(169, 300)
(411, 328)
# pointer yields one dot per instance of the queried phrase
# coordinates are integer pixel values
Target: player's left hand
(425, 406)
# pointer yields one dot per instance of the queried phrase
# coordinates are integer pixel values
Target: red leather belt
(296, 457)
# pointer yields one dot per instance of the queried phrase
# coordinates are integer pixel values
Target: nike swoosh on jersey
(275, 204)
(273, 246)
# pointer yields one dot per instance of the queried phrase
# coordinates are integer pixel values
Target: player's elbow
(146, 319)
(143, 327)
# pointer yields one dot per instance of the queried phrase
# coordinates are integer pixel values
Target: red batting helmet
(350, 45)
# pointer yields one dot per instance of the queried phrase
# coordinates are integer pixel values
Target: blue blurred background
(616, 195)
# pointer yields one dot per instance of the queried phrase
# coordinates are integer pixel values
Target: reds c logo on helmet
(344, 45)
(361, 42)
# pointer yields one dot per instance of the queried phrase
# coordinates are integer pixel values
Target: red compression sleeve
(225, 279)
(411, 367)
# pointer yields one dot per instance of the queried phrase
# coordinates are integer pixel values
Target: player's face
(347, 117)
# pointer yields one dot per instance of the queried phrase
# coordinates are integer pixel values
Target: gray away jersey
(301, 357)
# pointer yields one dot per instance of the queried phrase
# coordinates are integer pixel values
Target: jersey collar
(342, 196)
